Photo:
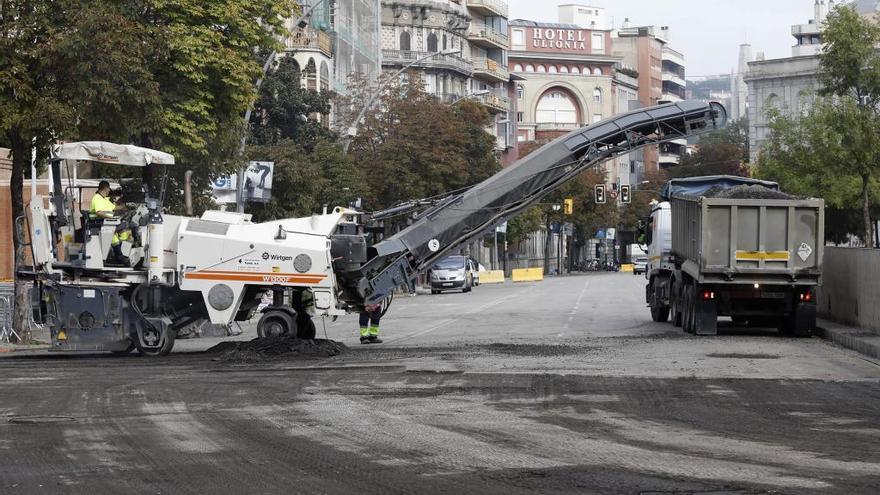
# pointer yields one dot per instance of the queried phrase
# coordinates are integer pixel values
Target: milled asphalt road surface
(564, 386)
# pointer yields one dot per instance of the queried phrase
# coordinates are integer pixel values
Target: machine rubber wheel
(157, 351)
(660, 315)
(276, 324)
(305, 329)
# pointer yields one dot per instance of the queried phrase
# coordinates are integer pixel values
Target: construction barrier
(627, 267)
(492, 277)
(528, 275)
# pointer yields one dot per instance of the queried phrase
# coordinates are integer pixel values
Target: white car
(640, 265)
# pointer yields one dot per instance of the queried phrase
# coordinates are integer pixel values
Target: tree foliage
(833, 149)
(169, 75)
(411, 145)
(722, 152)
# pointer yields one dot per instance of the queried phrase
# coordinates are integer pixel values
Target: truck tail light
(806, 296)
(708, 295)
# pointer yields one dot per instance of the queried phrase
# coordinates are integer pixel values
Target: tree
(819, 153)
(411, 145)
(721, 152)
(850, 73)
(167, 75)
(284, 109)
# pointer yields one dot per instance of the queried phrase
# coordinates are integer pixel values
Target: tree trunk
(866, 211)
(21, 157)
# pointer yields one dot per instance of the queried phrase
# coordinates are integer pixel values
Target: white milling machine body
(188, 271)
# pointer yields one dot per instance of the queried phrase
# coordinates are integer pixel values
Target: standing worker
(369, 321)
(102, 207)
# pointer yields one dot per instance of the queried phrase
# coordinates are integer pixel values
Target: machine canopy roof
(116, 154)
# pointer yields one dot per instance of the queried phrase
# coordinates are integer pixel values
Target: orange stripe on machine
(274, 278)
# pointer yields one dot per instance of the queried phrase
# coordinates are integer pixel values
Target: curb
(862, 341)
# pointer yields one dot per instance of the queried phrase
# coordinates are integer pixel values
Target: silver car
(640, 265)
(452, 273)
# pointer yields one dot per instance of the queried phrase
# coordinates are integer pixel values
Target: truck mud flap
(705, 318)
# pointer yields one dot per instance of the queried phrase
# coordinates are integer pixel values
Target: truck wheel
(675, 310)
(800, 323)
(660, 315)
(274, 324)
(688, 307)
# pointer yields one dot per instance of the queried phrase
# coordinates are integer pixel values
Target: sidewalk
(863, 341)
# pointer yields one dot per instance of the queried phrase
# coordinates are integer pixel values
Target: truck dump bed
(722, 240)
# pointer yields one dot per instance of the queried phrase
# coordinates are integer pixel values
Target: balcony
(310, 39)
(488, 7)
(487, 37)
(674, 79)
(488, 69)
(494, 103)
(401, 58)
(673, 56)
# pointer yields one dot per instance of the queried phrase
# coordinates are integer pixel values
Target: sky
(707, 32)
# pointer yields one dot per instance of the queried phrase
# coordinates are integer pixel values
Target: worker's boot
(374, 335)
(116, 256)
(365, 335)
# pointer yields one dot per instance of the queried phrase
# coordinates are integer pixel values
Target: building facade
(469, 41)
(786, 84)
(661, 79)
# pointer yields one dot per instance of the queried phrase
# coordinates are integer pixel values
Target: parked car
(476, 267)
(452, 273)
(640, 265)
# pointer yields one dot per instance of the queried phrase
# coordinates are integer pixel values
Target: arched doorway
(557, 107)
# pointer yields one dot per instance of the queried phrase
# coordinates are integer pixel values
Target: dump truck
(736, 247)
(185, 271)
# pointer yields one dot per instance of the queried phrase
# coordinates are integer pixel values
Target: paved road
(564, 386)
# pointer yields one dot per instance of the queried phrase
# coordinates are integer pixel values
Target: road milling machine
(186, 271)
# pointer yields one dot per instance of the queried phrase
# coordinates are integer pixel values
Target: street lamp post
(239, 192)
(353, 129)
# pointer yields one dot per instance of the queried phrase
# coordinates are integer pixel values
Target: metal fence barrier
(7, 300)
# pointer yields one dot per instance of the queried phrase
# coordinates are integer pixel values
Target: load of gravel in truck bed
(746, 192)
(276, 347)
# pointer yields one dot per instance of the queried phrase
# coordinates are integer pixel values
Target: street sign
(610, 234)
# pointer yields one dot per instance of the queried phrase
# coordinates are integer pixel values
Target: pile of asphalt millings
(754, 191)
(276, 347)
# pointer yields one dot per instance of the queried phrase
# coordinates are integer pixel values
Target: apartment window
(598, 42)
(563, 69)
(575, 70)
(521, 138)
(597, 117)
(431, 83)
(520, 92)
(517, 68)
(597, 71)
(541, 68)
(632, 167)
(552, 69)
(444, 42)
(405, 41)
(530, 68)
(432, 43)
(597, 96)
(520, 116)
(518, 38)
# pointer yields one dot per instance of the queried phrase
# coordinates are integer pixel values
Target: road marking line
(574, 310)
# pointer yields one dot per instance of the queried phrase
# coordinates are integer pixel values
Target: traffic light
(600, 194)
(568, 206)
(624, 194)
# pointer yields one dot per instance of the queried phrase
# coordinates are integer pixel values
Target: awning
(117, 154)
